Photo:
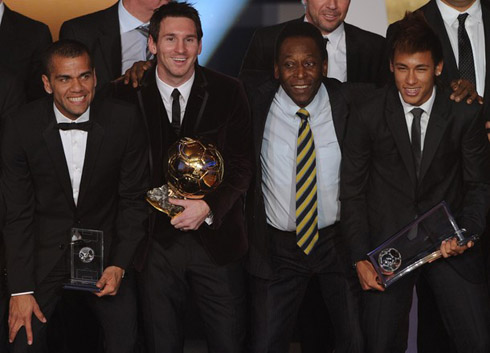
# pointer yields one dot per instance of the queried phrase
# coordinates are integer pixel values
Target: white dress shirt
(337, 53)
(133, 42)
(2, 10)
(74, 145)
(278, 160)
(476, 33)
(424, 118)
(166, 94)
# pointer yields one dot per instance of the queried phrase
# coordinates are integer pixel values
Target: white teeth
(180, 59)
(301, 87)
(411, 91)
(76, 99)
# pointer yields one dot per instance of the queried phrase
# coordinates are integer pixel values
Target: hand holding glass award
(416, 244)
(87, 259)
(194, 169)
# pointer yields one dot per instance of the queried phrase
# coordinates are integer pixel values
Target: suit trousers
(175, 273)
(464, 307)
(116, 314)
(276, 302)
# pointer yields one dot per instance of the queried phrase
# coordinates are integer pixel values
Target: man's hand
(195, 212)
(110, 281)
(135, 73)
(20, 314)
(451, 247)
(368, 276)
(464, 89)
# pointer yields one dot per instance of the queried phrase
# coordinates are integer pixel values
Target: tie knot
(303, 114)
(462, 18)
(175, 93)
(144, 29)
(417, 113)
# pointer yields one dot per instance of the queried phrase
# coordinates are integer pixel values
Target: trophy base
(86, 287)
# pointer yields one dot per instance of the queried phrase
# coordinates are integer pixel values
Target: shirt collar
(60, 118)
(127, 22)
(2, 10)
(166, 90)
(450, 14)
(335, 37)
(314, 108)
(427, 106)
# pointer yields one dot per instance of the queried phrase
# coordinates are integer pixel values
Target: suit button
(61, 246)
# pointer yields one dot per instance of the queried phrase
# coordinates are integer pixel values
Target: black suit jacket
(261, 90)
(380, 192)
(23, 42)
(217, 112)
(363, 52)
(39, 196)
(450, 70)
(99, 31)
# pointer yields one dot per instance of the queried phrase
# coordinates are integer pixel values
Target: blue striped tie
(306, 198)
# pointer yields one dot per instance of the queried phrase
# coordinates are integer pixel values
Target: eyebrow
(68, 76)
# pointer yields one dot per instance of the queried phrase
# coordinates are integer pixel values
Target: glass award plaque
(416, 244)
(86, 259)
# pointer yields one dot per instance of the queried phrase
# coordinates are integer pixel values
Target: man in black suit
(11, 98)
(23, 42)
(353, 53)
(280, 264)
(199, 251)
(116, 36)
(69, 161)
(404, 152)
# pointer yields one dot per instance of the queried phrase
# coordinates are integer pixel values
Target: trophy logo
(86, 255)
(194, 169)
(390, 259)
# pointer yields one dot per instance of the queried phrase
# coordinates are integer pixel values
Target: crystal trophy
(86, 258)
(416, 244)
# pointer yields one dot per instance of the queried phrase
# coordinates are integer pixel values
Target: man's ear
(276, 71)
(439, 68)
(47, 85)
(152, 45)
(392, 69)
(325, 67)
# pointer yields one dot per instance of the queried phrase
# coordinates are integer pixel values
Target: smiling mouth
(76, 99)
(412, 92)
(300, 86)
(179, 60)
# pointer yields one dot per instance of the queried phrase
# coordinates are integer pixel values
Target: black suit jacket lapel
(94, 140)
(339, 111)
(353, 54)
(195, 106)
(434, 17)
(395, 118)
(110, 42)
(436, 128)
(486, 29)
(7, 30)
(52, 138)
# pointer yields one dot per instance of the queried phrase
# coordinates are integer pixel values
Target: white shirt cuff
(23, 293)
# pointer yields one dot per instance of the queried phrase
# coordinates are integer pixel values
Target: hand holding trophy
(194, 169)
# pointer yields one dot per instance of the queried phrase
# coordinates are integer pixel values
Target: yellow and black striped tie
(306, 199)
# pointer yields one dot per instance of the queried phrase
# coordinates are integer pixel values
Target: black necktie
(176, 111)
(85, 126)
(416, 135)
(466, 62)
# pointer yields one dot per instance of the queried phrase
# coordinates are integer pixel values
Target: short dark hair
(66, 48)
(174, 9)
(415, 35)
(300, 29)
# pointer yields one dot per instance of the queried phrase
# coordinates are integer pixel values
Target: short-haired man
(197, 252)
(353, 53)
(116, 36)
(71, 161)
(293, 208)
(406, 150)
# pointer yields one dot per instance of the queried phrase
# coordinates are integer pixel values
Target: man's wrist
(22, 293)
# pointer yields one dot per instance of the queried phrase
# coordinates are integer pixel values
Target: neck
(459, 7)
(135, 9)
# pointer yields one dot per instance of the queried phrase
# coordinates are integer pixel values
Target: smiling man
(406, 150)
(293, 209)
(71, 162)
(353, 53)
(198, 252)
